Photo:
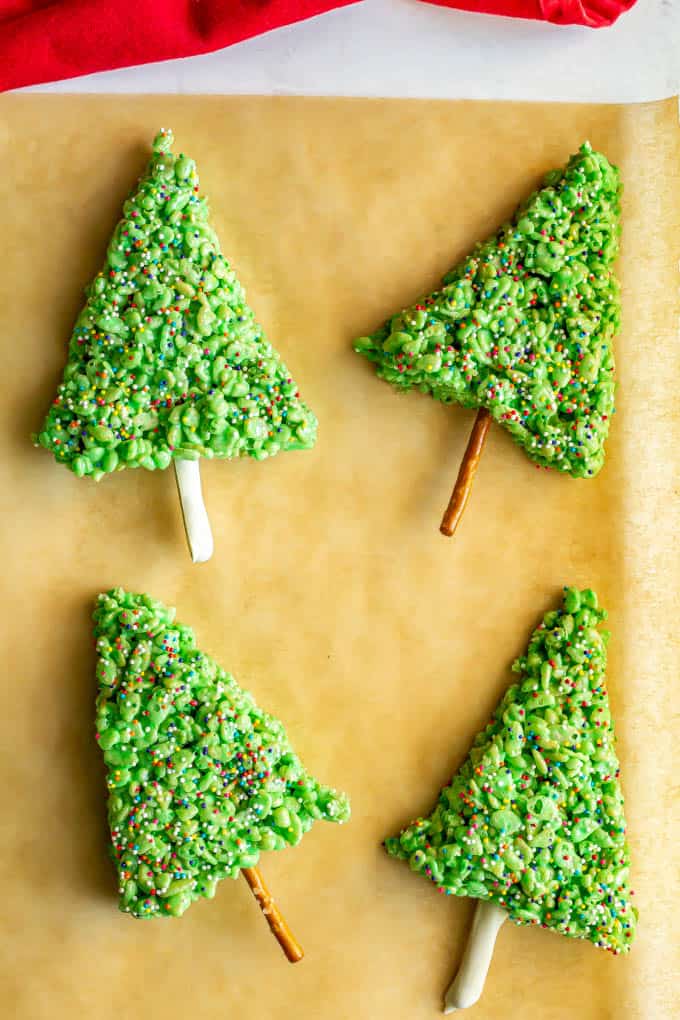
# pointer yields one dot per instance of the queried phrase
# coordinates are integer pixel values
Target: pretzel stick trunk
(275, 919)
(194, 513)
(468, 984)
(466, 473)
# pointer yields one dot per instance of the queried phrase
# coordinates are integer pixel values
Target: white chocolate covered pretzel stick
(468, 984)
(194, 513)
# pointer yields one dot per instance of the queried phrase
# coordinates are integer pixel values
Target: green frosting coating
(533, 820)
(166, 359)
(524, 325)
(200, 779)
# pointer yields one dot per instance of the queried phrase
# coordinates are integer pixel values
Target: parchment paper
(331, 595)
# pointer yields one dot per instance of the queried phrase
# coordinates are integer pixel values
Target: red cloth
(593, 13)
(48, 40)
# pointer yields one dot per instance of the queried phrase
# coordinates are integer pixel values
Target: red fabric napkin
(593, 13)
(48, 40)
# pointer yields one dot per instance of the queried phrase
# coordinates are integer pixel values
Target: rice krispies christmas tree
(166, 361)
(201, 781)
(523, 327)
(533, 821)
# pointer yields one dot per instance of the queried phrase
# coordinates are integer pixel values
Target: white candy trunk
(468, 984)
(196, 523)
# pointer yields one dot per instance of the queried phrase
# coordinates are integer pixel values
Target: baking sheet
(332, 596)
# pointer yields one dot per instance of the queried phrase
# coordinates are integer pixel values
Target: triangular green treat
(200, 779)
(533, 820)
(166, 359)
(524, 325)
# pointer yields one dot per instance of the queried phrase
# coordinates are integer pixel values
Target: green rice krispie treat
(166, 359)
(200, 779)
(524, 325)
(533, 821)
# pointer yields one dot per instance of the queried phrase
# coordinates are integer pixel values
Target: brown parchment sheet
(331, 594)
